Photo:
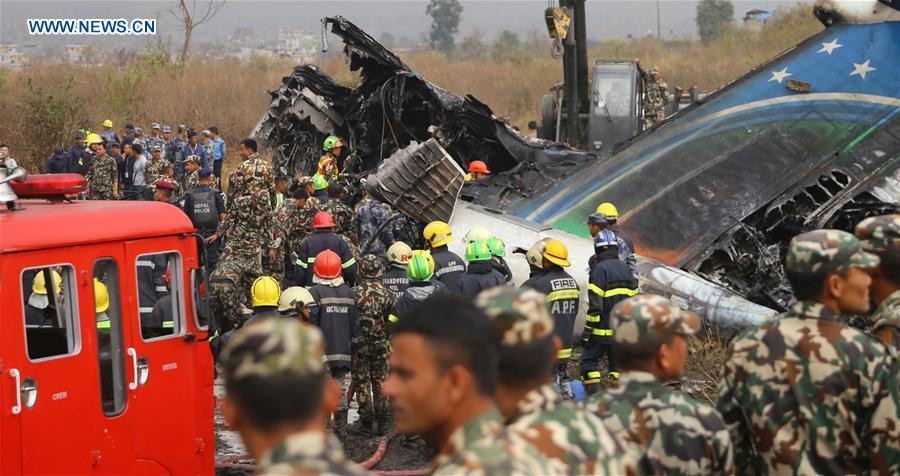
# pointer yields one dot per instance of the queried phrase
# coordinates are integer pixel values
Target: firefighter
(610, 282)
(480, 274)
(334, 311)
(101, 306)
(324, 239)
(395, 277)
(328, 166)
(535, 259)
(498, 261)
(564, 299)
(265, 292)
(448, 266)
(626, 247)
(320, 188)
(477, 171)
(275, 395)
(295, 302)
(40, 309)
(421, 286)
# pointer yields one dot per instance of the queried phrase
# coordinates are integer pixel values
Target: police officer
(803, 392)
(395, 277)
(480, 274)
(374, 303)
(369, 218)
(205, 207)
(448, 266)
(276, 392)
(324, 239)
(564, 298)
(155, 138)
(265, 293)
(572, 440)
(610, 282)
(667, 431)
(881, 236)
(334, 311)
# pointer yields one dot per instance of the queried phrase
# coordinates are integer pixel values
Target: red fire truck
(105, 366)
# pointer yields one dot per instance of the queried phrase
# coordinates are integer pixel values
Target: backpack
(203, 210)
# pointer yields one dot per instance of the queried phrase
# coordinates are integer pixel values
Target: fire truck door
(165, 401)
(69, 371)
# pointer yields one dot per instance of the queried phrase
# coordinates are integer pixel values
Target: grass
(233, 96)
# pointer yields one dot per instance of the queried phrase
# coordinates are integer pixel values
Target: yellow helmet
(92, 138)
(424, 253)
(557, 253)
(294, 298)
(39, 284)
(101, 296)
(265, 291)
(107, 123)
(608, 209)
(399, 253)
(437, 233)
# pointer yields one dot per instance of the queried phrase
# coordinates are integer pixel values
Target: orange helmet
(328, 265)
(477, 166)
(323, 220)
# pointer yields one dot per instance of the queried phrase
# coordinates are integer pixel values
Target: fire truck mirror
(50, 313)
(110, 347)
(160, 295)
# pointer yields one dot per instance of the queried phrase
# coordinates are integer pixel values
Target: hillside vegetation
(44, 104)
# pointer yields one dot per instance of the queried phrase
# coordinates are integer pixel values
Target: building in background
(12, 57)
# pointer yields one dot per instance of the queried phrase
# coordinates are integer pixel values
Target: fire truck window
(110, 348)
(160, 295)
(200, 298)
(50, 313)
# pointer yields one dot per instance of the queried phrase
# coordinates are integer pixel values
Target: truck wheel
(547, 130)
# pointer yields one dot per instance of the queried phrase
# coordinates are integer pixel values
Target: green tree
(445, 16)
(508, 41)
(387, 40)
(713, 17)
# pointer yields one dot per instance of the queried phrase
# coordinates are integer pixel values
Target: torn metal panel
(422, 181)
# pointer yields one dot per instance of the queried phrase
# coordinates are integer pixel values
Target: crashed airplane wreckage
(710, 198)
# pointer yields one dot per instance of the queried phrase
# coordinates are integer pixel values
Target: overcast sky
(403, 18)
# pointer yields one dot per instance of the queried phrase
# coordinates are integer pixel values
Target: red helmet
(328, 265)
(479, 167)
(323, 220)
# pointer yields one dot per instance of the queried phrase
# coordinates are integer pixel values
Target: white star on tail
(862, 69)
(830, 47)
(780, 75)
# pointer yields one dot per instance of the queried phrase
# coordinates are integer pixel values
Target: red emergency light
(50, 186)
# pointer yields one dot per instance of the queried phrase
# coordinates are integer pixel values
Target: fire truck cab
(105, 367)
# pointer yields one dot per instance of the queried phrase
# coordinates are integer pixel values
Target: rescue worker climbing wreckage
(656, 96)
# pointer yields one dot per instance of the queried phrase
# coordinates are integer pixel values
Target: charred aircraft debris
(712, 195)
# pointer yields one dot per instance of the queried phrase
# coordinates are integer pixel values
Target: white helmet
(399, 253)
(535, 254)
(294, 297)
(478, 233)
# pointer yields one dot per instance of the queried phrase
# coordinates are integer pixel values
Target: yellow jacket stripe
(563, 294)
(612, 292)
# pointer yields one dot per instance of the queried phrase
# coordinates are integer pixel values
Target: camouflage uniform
(667, 431)
(154, 172)
(150, 142)
(344, 218)
(251, 196)
(571, 440)
(279, 348)
(656, 96)
(806, 394)
(191, 181)
(229, 286)
(102, 178)
(481, 446)
(179, 190)
(374, 303)
(882, 235)
(370, 214)
(280, 219)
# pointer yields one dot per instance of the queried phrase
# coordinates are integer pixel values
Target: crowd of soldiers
(346, 301)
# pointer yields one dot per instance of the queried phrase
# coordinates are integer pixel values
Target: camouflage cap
(519, 316)
(370, 266)
(650, 319)
(879, 234)
(304, 180)
(274, 347)
(825, 251)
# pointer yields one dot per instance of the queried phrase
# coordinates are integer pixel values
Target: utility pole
(658, 35)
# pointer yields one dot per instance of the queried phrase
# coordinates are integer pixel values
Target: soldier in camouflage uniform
(276, 365)
(443, 375)
(168, 175)
(293, 226)
(229, 285)
(881, 236)
(344, 218)
(103, 176)
(572, 440)
(374, 303)
(667, 432)
(155, 168)
(804, 393)
(656, 96)
(192, 173)
(369, 215)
